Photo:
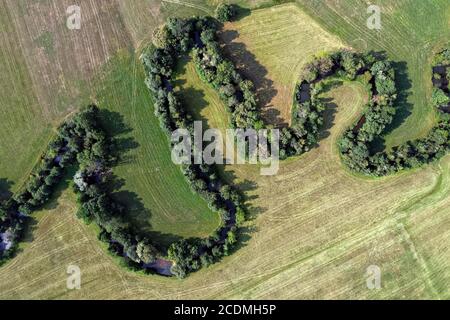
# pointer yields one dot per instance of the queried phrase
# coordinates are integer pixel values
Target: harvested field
(314, 227)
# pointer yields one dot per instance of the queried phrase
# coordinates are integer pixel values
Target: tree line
(198, 35)
(378, 75)
(81, 141)
(355, 145)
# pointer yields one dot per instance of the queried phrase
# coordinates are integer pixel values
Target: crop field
(314, 228)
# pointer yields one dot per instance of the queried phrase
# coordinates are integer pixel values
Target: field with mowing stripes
(46, 72)
(271, 46)
(200, 98)
(314, 227)
(412, 32)
(154, 188)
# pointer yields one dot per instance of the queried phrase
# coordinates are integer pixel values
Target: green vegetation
(76, 139)
(201, 100)
(154, 189)
(198, 35)
(46, 42)
(409, 36)
(355, 146)
(316, 228)
(225, 12)
(273, 55)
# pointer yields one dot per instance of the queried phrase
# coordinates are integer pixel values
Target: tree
(25, 209)
(160, 37)
(240, 216)
(385, 85)
(225, 192)
(132, 254)
(146, 252)
(3, 214)
(439, 97)
(178, 271)
(351, 63)
(225, 12)
(53, 176)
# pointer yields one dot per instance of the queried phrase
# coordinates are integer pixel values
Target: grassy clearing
(154, 187)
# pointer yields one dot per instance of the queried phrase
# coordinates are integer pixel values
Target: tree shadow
(329, 114)
(65, 182)
(244, 187)
(53, 203)
(402, 106)
(162, 241)
(250, 68)
(5, 189)
(121, 135)
(193, 99)
(29, 229)
(252, 210)
(136, 213)
(241, 12)
(329, 117)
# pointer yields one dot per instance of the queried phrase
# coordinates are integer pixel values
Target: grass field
(52, 71)
(21, 114)
(201, 99)
(412, 31)
(314, 227)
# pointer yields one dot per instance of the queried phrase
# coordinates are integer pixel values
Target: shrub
(225, 12)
